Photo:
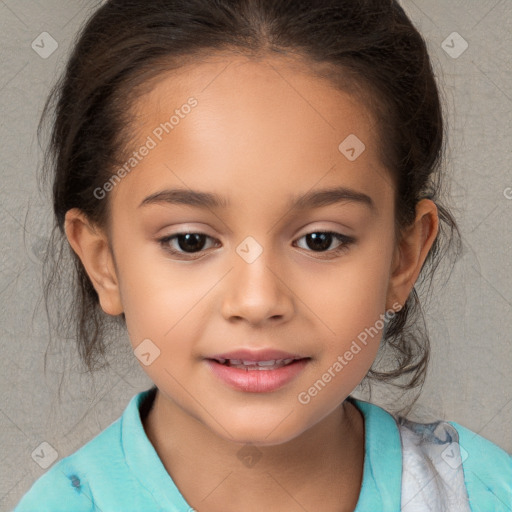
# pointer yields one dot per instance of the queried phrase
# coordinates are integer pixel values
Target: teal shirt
(119, 470)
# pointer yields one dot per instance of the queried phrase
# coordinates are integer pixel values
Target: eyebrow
(310, 200)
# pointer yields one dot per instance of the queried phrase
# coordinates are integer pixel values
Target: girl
(298, 145)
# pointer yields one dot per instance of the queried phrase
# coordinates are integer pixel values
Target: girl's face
(235, 153)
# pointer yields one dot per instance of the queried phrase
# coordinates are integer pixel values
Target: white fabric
(432, 473)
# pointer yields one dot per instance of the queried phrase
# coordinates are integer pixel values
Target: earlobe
(90, 243)
(412, 251)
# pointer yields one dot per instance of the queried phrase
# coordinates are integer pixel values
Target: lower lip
(257, 381)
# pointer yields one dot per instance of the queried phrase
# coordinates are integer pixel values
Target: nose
(257, 292)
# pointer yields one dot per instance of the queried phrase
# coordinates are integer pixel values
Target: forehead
(286, 87)
(256, 124)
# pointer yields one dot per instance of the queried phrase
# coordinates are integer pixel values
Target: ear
(91, 245)
(411, 252)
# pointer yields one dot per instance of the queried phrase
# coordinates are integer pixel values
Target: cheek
(351, 296)
(352, 307)
(354, 317)
(161, 297)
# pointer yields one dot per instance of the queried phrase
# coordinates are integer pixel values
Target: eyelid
(345, 242)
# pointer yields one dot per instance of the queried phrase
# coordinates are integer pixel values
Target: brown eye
(191, 242)
(321, 241)
(185, 243)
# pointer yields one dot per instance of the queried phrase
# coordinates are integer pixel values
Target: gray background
(470, 319)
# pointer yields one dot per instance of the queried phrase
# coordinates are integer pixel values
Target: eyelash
(345, 240)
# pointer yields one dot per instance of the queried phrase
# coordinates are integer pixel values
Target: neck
(324, 464)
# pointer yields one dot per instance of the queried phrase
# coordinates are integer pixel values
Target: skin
(264, 130)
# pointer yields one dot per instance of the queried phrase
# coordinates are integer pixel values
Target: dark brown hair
(367, 46)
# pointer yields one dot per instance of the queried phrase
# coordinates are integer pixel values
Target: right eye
(186, 243)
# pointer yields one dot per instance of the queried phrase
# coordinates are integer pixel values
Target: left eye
(322, 240)
(192, 243)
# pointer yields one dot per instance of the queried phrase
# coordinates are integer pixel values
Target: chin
(259, 438)
(266, 432)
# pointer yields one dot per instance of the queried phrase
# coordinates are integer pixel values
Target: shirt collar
(143, 459)
(382, 471)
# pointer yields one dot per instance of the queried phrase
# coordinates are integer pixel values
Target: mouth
(257, 372)
(251, 365)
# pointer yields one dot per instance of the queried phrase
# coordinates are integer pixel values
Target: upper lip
(256, 355)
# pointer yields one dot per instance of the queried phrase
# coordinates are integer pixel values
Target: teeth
(271, 364)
